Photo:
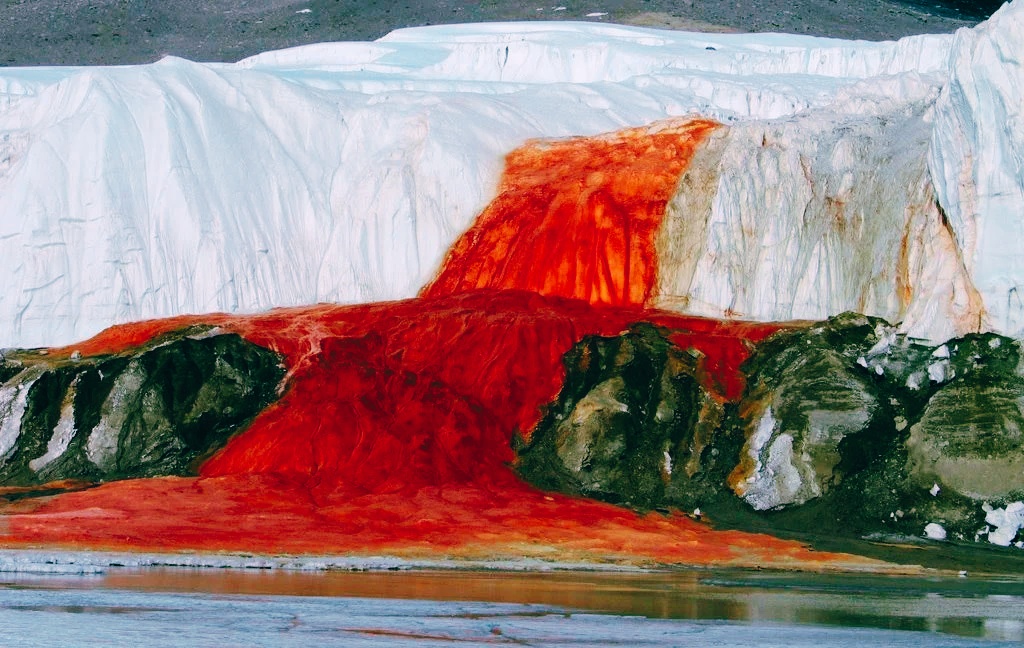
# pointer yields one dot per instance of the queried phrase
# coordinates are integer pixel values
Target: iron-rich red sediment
(394, 436)
(577, 217)
(393, 433)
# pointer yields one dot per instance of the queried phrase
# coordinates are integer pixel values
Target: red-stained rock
(432, 377)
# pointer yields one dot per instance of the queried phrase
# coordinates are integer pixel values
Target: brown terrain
(118, 32)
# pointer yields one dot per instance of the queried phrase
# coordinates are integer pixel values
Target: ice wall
(342, 172)
(977, 160)
(903, 199)
(817, 214)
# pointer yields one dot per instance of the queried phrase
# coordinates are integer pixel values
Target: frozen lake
(257, 607)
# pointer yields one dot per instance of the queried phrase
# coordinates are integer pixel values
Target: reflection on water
(970, 607)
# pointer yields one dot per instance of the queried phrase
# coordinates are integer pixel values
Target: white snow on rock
(343, 171)
(934, 531)
(1007, 522)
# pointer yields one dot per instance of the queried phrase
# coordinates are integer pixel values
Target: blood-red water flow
(394, 429)
(394, 436)
(577, 217)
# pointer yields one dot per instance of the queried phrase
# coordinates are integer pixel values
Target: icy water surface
(227, 607)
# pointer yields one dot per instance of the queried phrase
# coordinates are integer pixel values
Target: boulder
(630, 426)
(970, 439)
(156, 410)
(857, 429)
(967, 447)
(807, 397)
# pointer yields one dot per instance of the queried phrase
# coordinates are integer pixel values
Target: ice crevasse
(885, 178)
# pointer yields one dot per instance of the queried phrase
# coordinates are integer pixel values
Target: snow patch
(1007, 522)
(934, 531)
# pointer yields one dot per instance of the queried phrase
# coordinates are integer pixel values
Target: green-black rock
(853, 428)
(632, 424)
(847, 428)
(155, 410)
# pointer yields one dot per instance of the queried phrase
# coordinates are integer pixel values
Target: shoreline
(81, 562)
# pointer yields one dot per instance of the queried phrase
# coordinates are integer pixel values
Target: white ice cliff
(819, 213)
(342, 172)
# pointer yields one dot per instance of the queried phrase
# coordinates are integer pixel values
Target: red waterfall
(393, 434)
(577, 217)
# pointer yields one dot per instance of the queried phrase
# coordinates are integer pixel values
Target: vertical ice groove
(976, 159)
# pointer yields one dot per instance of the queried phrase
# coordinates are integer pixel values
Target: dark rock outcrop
(806, 398)
(157, 410)
(857, 429)
(631, 425)
(970, 436)
(847, 428)
(969, 439)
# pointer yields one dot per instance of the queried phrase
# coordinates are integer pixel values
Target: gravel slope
(93, 32)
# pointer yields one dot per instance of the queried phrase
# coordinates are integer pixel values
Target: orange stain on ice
(577, 217)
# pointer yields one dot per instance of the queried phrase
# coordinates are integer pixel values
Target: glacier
(881, 177)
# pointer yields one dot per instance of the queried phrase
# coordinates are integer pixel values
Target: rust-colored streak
(577, 217)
